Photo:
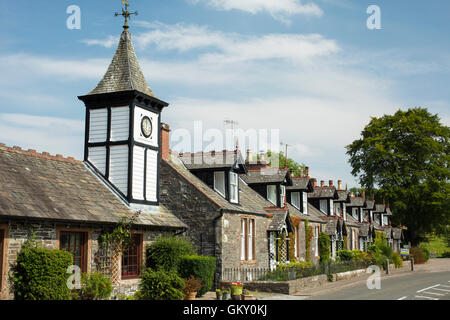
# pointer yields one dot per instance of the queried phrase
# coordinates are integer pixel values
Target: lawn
(437, 245)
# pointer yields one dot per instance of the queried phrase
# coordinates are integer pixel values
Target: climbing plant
(324, 247)
(308, 238)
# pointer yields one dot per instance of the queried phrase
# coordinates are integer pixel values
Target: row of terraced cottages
(236, 210)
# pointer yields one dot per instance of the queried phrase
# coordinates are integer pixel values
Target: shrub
(201, 267)
(419, 255)
(160, 285)
(192, 284)
(345, 255)
(398, 262)
(95, 286)
(362, 256)
(166, 252)
(41, 274)
(324, 247)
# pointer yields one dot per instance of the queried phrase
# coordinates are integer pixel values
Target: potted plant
(192, 285)
(219, 294)
(226, 295)
(247, 295)
(236, 290)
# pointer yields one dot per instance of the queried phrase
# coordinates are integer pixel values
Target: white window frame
(243, 240)
(331, 206)
(250, 223)
(234, 186)
(323, 203)
(216, 180)
(272, 188)
(295, 199)
(282, 195)
(355, 213)
(305, 202)
(344, 211)
(316, 241)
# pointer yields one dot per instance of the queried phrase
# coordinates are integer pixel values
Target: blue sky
(309, 68)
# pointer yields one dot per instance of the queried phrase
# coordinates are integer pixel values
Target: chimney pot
(339, 184)
(363, 194)
(322, 183)
(307, 172)
(314, 182)
(249, 156)
(330, 183)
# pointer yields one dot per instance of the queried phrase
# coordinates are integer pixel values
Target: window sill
(248, 261)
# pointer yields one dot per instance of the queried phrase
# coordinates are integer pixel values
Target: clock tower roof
(124, 72)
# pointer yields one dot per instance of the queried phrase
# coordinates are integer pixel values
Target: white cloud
(50, 134)
(279, 9)
(109, 42)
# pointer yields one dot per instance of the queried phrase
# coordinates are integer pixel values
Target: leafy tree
(406, 156)
(291, 164)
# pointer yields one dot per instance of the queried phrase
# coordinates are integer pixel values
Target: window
(305, 203)
(282, 195)
(234, 187)
(272, 194)
(248, 243)
(131, 258)
(295, 199)
(75, 243)
(385, 220)
(331, 206)
(316, 241)
(323, 206)
(355, 213)
(344, 211)
(219, 182)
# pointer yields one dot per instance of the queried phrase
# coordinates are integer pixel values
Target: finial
(126, 14)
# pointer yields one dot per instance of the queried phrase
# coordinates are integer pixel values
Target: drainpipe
(215, 247)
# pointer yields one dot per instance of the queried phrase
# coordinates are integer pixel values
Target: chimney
(249, 156)
(339, 184)
(330, 183)
(165, 139)
(322, 183)
(307, 172)
(262, 156)
(314, 182)
(363, 194)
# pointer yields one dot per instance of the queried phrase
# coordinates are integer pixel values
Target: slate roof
(396, 233)
(249, 200)
(124, 72)
(331, 227)
(364, 230)
(314, 215)
(380, 208)
(301, 183)
(211, 160)
(370, 205)
(270, 175)
(280, 220)
(343, 196)
(44, 187)
(324, 192)
(356, 202)
(388, 232)
(352, 221)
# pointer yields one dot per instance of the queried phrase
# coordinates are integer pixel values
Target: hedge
(201, 267)
(324, 247)
(41, 274)
(160, 285)
(166, 252)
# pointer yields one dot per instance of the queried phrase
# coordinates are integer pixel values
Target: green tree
(291, 164)
(406, 156)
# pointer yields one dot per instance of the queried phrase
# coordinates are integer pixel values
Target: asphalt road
(414, 286)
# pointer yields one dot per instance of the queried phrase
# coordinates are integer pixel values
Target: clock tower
(122, 134)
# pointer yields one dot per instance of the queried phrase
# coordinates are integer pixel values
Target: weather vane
(126, 14)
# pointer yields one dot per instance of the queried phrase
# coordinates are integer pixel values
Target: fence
(287, 273)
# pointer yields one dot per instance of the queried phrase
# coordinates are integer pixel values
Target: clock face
(146, 127)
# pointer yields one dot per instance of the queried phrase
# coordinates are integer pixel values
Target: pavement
(429, 281)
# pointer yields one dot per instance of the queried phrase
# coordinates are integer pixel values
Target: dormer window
(344, 213)
(272, 194)
(305, 203)
(331, 207)
(295, 199)
(355, 213)
(219, 182)
(234, 187)
(282, 195)
(323, 205)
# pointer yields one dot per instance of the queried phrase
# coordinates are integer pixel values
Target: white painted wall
(120, 123)
(98, 125)
(152, 175)
(118, 170)
(138, 173)
(139, 113)
(97, 156)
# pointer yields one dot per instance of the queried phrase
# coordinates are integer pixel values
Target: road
(427, 282)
